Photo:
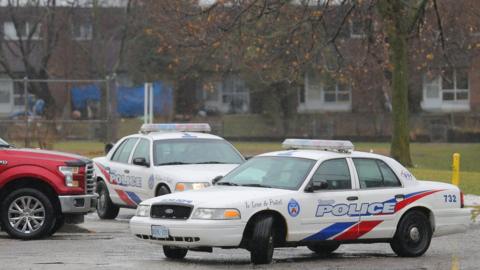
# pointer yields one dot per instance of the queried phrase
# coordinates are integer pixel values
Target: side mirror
(314, 186)
(140, 161)
(108, 147)
(216, 179)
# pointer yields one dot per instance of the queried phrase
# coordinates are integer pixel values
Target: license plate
(159, 231)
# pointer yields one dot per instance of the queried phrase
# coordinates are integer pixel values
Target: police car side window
(335, 173)
(124, 150)
(142, 150)
(374, 173)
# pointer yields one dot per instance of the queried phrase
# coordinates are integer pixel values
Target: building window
(24, 30)
(446, 91)
(323, 93)
(335, 91)
(82, 31)
(229, 95)
(357, 28)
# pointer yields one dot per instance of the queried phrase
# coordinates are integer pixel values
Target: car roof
(322, 155)
(176, 135)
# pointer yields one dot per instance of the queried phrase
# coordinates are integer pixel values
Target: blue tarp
(129, 99)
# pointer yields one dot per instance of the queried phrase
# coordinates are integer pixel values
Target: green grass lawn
(432, 161)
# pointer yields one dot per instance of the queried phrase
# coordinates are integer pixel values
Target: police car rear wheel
(174, 252)
(105, 207)
(324, 249)
(262, 242)
(413, 235)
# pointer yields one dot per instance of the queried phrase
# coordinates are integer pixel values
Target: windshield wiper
(256, 185)
(226, 184)
(173, 163)
(210, 162)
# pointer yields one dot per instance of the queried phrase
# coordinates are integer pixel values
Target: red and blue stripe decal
(353, 230)
(130, 198)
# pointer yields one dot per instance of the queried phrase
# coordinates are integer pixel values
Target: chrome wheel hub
(26, 214)
(414, 234)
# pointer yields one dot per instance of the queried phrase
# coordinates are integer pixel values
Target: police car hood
(194, 172)
(222, 196)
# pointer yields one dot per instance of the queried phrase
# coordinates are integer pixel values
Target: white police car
(161, 159)
(318, 199)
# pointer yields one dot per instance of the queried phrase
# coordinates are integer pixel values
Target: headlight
(69, 172)
(143, 210)
(216, 213)
(182, 186)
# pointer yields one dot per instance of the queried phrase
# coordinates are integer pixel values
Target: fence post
(27, 124)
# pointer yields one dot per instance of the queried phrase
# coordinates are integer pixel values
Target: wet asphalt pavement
(100, 244)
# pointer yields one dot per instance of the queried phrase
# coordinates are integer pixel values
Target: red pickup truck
(41, 190)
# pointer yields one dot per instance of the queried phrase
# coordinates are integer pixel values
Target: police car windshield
(194, 151)
(271, 172)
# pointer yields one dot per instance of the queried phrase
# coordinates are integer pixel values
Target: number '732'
(450, 198)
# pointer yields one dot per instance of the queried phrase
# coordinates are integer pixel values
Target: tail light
(462, 201)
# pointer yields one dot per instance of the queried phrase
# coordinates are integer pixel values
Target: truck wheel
(59, 222)
(174, 252)
(105, 207)
(27, 213)
(413, 235)
(324, 249)
(262, 242)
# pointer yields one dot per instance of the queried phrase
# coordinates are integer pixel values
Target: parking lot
(102, 244)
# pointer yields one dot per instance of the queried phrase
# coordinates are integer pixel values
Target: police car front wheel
(105, 207)
(174, 252)
(413, 235)
(262, 243)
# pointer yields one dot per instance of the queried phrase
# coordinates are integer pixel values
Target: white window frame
(86, 31)
(10, 32)
(320, 104)
(439, 103)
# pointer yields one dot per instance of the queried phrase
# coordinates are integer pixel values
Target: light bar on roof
(179, 127)
(326, 145)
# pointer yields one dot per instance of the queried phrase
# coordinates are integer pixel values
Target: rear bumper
(449, 221)
(78, 204)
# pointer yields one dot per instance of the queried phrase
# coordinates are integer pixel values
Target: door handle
(399, 197)
(126, 171)
(352, 198)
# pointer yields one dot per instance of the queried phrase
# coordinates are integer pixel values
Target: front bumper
(191, 233)
(78, 204)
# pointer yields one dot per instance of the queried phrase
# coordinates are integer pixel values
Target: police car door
(119, 171)
(141, 172)
(329, 214)
(379, 192)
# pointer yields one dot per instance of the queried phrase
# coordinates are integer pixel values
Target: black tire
(324, 249)
(59, 222)
(162, 190)
(174, 252)
(105, 207)
(37, 209)
(413, 235)
(262, 243)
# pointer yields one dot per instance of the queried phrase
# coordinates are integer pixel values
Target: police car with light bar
(318, 194)
(161, 159)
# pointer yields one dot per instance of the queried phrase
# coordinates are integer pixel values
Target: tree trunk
(395, 29)
(400, 147)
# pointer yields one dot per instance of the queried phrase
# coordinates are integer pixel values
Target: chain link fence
(38, 113)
